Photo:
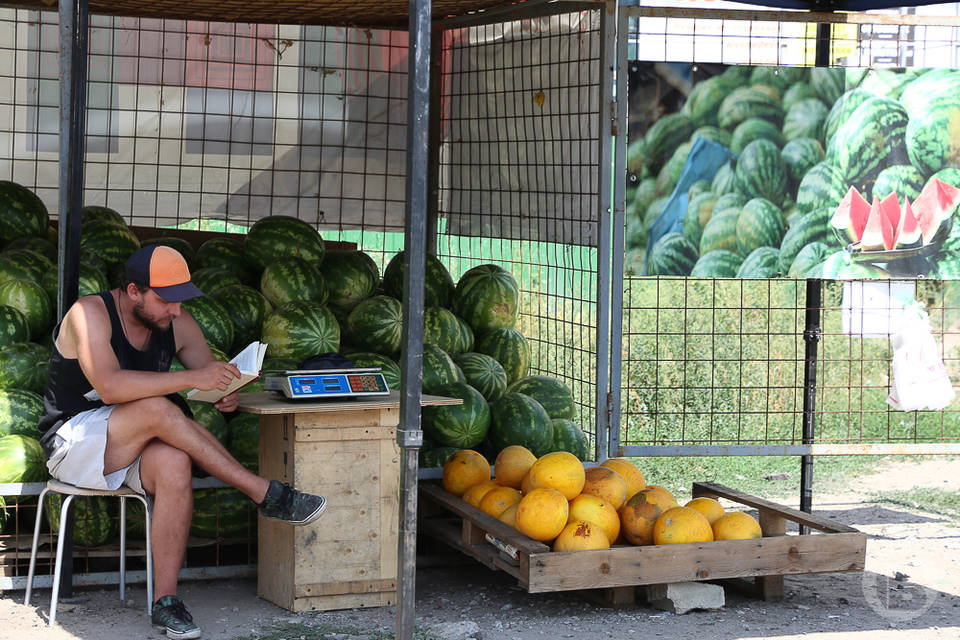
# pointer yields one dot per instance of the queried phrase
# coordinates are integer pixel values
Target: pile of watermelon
(804, 137)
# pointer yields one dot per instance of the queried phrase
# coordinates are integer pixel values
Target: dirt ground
(910, 589)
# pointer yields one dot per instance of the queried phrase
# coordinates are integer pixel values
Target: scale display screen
(327, 384)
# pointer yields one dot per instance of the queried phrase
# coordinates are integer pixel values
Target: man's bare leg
(165, 473)
(133, 425)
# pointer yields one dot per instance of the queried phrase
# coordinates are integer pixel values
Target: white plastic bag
(919, 381)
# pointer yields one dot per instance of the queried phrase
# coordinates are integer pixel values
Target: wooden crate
(616, 571)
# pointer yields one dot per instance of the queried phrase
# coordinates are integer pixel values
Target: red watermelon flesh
(934, 205)
(908, 231)
(890, 220)
(872, 237)
(851, 215)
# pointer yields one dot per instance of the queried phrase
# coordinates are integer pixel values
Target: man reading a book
(113, 416)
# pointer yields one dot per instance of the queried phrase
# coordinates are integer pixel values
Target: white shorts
(78, 449)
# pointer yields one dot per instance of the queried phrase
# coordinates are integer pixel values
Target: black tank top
(69, 392)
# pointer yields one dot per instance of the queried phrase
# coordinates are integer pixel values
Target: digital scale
(318, 384)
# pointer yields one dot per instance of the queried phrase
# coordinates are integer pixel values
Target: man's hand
(228, 402)
(215, 375)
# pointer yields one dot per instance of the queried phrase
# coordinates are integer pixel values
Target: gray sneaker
(285, 503)
(170, 614)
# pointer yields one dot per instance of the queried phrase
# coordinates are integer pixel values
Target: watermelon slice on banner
(908, 231)
(851, 216)
(890, 220)
(872, 237)
(933, 206)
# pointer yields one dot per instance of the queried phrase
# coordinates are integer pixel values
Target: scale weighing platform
(318, 384)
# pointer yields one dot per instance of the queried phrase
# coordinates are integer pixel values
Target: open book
(248, 361)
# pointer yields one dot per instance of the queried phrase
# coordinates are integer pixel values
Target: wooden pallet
(616, 571)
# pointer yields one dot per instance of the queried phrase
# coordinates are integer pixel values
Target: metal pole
(436, 121)
(409, 435)
(74, 26)
(811, 336)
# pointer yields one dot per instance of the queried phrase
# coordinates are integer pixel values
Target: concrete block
(682, 597)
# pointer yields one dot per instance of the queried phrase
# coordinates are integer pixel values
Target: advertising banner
(763, 172)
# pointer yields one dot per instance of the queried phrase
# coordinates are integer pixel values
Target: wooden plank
(264, 402)
(340, 588)
(339, 434)
(624, 566)
(770, 588)
(486, 522)
(795, 515)
(344, 601)
(371, 418)
(449, 532)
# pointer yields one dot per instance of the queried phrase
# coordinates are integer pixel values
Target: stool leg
(123, 545)
(33, 549)
(146, 510)
(65, 510)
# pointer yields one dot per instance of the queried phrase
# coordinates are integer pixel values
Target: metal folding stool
(69, 491)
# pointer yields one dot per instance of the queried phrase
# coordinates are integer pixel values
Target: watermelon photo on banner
(799, 172)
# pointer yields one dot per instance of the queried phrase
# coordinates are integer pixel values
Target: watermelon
(887, 82)
(567, 436)
(13, 326)
(950, 175)
(487, 297)
(437, 286)
(842, 109)
(22, 213)
(664, 137)
(464, 425)
(829, 83)
(636, 157)
(797, 92)
(112, 242)
(44, 247)
(762, 262)
(809, 257)
(376, 324)
(736, 76)
(933, 207)
(672, 255)
(438, 369)
(30, 299)
(670, 173)
(20, 410)
(812, 227)
(518, 419)
(214, 321)
(247, 309)
(805, 119)
(465, 343)
(98, 213)
(725, 179)
(931, 135)
(300, 330)
(212, 279)
(431, 457)
(136, 520)
(508, 347)
(704, 100)
(871, 139)
(716, 134)
(770, 76)
(281, 237)
(24, 366)
(840, 266)
(483, 373)
(243, 439)
(732, 200)
(760, 224)
(720, 232)
(94, 524)
(718, 263)
(90, 281)
(754, 129)
(822, 186)
(930, 86)
(349, 278)
(227, 253)
(799, 156)
(902, 179)
(442, 329)
(222, 513)
(291, 278)
(22, 459)
(748, 102)
(552, 394)
(761, 173)
(389, 368)
(24, 264)
(211, 418)
(180, 245)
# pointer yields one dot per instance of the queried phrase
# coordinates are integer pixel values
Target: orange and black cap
(164, 270)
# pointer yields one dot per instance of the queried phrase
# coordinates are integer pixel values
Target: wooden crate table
(615, 572)
(345, 450)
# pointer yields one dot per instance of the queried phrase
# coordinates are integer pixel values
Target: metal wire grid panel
(519, 180)
(716, 366)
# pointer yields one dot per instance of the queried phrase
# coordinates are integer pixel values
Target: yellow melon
(498, 499)
(512, 464)
(509, 516)
(475, 494)
(736, 525)
(525, 484)
(607, 484)
(665, 493)
(710, 508)
(590, 508)
(629, 472)
(464, 469)
(640, 513)
(542, 514)
(680, 525)
(560, 470)
(580, 536)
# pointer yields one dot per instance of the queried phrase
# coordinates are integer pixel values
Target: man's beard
(149, 323)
